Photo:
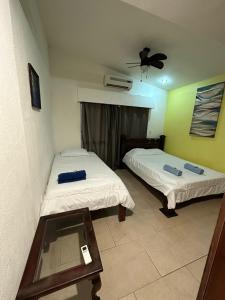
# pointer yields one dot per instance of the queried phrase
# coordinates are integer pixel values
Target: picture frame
(34, 88)
(206, 110)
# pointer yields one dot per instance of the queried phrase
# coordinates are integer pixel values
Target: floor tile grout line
(170, 227)
(141, 287)
(184, 266)
(149, 283)
(192, 275)
(153, 263)
(144, 251)
(107, 225)
(112, 235)
(131, 293)
(163, 276)
(102, 251)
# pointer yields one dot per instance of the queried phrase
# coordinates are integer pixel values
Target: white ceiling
(204, 16)
(112, 32)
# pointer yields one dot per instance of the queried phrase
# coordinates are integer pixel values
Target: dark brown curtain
(103, 124)
(134, 121)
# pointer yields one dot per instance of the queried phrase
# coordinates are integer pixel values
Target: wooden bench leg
(122, 213)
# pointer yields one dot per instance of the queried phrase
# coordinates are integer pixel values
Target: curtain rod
(113, 104)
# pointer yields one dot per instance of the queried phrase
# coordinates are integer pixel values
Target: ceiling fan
(154, 60)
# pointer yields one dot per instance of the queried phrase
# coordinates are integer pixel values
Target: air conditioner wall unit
(117, 82)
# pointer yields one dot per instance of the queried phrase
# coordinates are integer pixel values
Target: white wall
(66, 110)
(69, 73)
(73, 67)
(105, 96)
(21, 192)
(30, 46)
(156, 120)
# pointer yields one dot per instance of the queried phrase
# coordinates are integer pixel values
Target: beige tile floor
(148, 256)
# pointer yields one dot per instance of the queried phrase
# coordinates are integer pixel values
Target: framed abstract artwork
(34, 88)
(206, 110)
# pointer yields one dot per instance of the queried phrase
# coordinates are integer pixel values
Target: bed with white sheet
(101, 189)
(148, 165)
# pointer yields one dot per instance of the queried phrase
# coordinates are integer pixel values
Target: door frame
(212, 284)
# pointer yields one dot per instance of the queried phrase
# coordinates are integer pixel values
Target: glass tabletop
(55, 260)
(61, 247)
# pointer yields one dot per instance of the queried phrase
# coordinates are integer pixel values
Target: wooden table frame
(33, 288)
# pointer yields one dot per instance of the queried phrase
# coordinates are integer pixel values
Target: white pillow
(74, 152)
(154, 151)
(136, 151)
(142, 151)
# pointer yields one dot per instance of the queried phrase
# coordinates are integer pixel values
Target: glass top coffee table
(56, 260)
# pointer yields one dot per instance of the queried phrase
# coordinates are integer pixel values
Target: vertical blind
(102, 126)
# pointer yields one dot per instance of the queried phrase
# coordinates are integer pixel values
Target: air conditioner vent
(118, 82)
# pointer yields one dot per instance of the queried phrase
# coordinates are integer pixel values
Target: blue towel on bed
(193, 168)
(172, 170)
(71, 176)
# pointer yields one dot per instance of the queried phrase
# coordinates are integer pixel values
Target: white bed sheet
(102, 188)
(148, 164)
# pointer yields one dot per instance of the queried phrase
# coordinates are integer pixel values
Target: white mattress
(102, 188)
(148, 164)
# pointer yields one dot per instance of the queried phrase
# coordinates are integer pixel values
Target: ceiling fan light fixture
(165, 81)
(144, 69)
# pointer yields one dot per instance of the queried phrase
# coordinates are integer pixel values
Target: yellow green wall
(201, 150)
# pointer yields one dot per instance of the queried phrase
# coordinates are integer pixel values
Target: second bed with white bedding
(102, 188)
(148, 165)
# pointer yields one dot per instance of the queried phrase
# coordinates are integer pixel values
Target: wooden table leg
(96, 287)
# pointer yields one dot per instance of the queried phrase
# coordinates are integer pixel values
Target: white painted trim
(116, 98)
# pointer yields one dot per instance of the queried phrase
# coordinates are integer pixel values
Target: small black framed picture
(34, 88)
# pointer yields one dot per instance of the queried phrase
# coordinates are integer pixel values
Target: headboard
(127, 144)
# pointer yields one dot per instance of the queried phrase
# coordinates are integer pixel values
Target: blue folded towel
(193, 168)
(172, 170)
(71, 176)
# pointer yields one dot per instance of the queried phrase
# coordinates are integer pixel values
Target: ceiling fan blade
(157, 64)
(134, 66)
(144, 53)
(132, 63)
(158, 56)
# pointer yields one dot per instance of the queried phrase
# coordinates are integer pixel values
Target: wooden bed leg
(169, 213)
(122, 213)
